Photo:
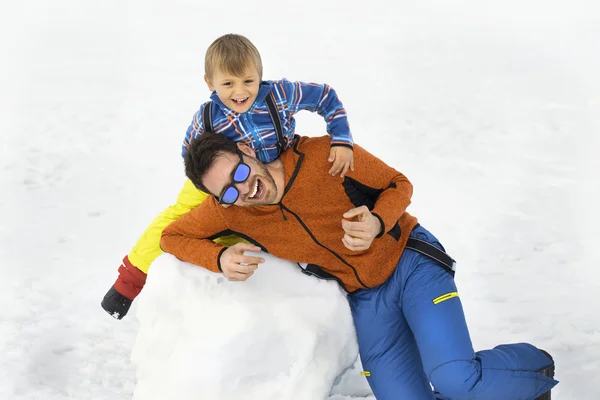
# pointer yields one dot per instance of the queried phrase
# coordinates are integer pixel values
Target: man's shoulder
(313, 143)
(314, 150)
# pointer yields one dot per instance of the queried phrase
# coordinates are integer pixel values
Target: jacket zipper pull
(282, 213)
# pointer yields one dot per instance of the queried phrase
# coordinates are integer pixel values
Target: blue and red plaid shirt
(255, 127)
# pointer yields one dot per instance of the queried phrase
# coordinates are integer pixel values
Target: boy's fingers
(331, 155)
(335, 169)
(344, 170)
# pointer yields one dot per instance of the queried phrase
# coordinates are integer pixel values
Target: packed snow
(279, 335)
(490, 108)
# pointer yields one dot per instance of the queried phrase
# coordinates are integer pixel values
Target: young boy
(245, 109)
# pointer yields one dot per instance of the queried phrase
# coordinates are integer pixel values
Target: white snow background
(492, 109)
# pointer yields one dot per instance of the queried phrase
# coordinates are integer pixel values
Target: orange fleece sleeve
(190, 238)
(397, 189)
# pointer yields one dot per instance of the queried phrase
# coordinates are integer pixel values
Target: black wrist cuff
(219, 258)
(382, 226)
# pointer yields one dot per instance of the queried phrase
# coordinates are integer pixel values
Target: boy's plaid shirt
(255, 127)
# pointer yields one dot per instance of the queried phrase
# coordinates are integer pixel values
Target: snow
(490, 108)
(279, 335)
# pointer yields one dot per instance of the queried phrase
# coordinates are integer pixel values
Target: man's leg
(387, 347)
(435, 315)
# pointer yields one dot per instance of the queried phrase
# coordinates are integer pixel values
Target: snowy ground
(490, 108)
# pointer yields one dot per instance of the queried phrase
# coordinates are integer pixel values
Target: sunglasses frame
(233, 181)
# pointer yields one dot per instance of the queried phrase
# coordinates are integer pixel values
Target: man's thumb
(351, 213)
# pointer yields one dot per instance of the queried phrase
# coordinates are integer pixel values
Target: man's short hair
(232, 54)
(202, 153)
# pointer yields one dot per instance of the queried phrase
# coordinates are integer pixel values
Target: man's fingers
(363, 235)
(241, 247)
(245, 259)
(236, 276)
(245, 268)
(362, 210)
(353, 241)
(354, 244)
(354, 227)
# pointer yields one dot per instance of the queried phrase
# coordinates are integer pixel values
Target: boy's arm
(320, 98)
(190, 237)
(147, 247)
(396, 189)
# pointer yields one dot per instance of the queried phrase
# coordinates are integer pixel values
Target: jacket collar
(292, 161)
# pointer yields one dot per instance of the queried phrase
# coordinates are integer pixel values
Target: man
(409, 320)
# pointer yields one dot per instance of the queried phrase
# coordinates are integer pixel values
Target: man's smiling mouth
(257, 191)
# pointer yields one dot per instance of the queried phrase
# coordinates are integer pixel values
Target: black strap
(281, 142)
(418, 245)
(207, 118)
(315, 270)
(270, 101)
(429, 250)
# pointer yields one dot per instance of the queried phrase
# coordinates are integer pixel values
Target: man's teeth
(255, 190)
(240, 100)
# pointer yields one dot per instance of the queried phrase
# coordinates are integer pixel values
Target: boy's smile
(236, 92)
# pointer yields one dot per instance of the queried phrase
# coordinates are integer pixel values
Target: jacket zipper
(323, 246)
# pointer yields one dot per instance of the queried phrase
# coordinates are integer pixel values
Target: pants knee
(456, 379)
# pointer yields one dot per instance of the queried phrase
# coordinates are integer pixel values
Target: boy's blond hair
(232, 54)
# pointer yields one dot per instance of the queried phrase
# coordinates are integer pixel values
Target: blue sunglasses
(241, 172)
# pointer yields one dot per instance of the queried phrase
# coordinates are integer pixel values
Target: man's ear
(247, 150)
(209, 84)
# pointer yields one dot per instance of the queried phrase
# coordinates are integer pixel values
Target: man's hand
(342, 158)
(361, 231)
(235, 265)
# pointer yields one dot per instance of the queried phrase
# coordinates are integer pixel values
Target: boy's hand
(235, 265)
(342, 158)
(360, 227)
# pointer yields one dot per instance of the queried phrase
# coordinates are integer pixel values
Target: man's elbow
(403, 184)
(166, 241)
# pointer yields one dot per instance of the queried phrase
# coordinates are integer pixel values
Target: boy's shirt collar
(263, 91)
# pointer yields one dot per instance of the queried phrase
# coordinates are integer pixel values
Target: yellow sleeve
(147, 247)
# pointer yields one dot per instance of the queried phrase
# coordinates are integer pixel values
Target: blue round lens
(230, 196)
(242, 172)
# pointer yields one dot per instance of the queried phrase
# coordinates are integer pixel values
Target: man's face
(236, 92)
(258, 189)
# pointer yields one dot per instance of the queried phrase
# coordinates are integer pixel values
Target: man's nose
(243, 187)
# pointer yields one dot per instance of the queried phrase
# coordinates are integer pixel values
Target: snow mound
(278, 335)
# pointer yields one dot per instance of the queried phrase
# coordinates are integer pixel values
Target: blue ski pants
(412, 332)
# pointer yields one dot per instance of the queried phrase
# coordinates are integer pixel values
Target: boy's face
(236, 92)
